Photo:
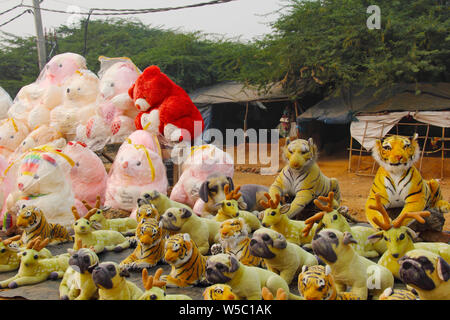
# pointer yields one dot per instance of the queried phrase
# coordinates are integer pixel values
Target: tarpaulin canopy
(234, 92)
(400, 97)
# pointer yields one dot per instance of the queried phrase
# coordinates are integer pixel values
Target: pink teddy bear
(88, 175)
(136, 169)
(203, 161)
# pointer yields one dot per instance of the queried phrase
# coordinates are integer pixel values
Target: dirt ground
(354, 188)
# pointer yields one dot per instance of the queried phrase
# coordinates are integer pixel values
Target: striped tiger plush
(399, 183)
(188, 264)
(234, 240)
(317, 283)
(302, 177)
(150, 246)
(219, 291)
(32, 220)
(146, 211)
(398, 294)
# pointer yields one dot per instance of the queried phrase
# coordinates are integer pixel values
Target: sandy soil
(354, 188)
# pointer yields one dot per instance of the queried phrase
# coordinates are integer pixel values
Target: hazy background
(245, 18)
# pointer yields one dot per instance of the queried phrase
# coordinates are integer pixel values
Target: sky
(244, 19)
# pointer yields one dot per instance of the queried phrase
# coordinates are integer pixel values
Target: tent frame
(363, 152)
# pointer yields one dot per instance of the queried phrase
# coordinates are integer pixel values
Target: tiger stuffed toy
(219, 291)
(317, 283)
(150, 246)
(146, 211)
(188, 264)
(399, 183)
(32, 220)
(234, 240)
(399, 294)
(302, 177)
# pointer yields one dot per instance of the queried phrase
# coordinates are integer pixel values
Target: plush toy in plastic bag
(12, 133)
(135, 169)
(201, 162)
(5, 103)
(79, 103)
(34, 102)
(42, 180)
(114, 119)
(147, 139)
(88, 175)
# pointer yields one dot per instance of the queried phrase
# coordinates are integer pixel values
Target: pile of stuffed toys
(238, 242)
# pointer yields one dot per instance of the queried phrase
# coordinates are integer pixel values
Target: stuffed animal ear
(411, 233)
(186, 237)
(348, 238)
(280, 242)
(415, 136)
(304, 268)
(185, 213)
(124, 273)
(241, 204)
(234, 264)
(375, 237)
(288, 140)
(327, 269)
(203, 192)
(230, 181)
(91, 268)
(285, 208)
(443, 269)
(131, 92)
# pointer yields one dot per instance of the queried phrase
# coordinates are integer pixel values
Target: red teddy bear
(164, 106)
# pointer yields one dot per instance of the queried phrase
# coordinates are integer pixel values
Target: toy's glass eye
(273, 213)
(60, 65)
(153, 297)
(175, 247)
(24, 254)
(79, 89)
(112, 84)
(28, 213)
(36, 177)
(321, 282)
(77, 164)
(335, 217)
(228, 203)
(402, 236)
(76, 223)
(154, 231)
(12, 137)
(3, 250)
(35, 256)
(138, 163)
(305, 281)
(87, 222)
(385, 238)
(218, 291)
(387, 147)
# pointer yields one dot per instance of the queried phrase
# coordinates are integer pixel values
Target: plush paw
(13, 285)
(53, 275)
(132, 241)
(118, 249)
(216, 249)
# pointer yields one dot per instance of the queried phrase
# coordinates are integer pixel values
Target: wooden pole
(39, 35)
(360, 150)
(423, 148)
(443, 152)
(349, 169)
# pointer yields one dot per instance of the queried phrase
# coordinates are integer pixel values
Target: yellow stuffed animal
(219, 292)
(155, 288)
(280, 256)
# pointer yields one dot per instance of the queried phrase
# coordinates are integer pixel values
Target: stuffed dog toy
(111, 283)
(245, 282)
(203, 231)
(160, 201)
(282, 257)
(427, 273)
(348, 268)
(212, 192)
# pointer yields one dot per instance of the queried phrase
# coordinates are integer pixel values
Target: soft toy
(5, 103)
(100, 240)
(155, 288)
(280, 256)
(203, 231)
(219, 292)
(34, 102)
(165, 107)
(160, 201)
(202, 161)
(79, 103)
(317, 283)
(427, 273)
(234, 240)
(111, 283)
(229, 208)
(399, 294)
(115, 114)
(88, 175)
(43, 182)
(147, 139)
(146, 211)
(135, 169)
(399, 183)
(333, 219)
(302, 177)
(77, 283)
(364, 276)
(275, 217)
(126, 226)
(43, 135)
(187, 263)
(400, 238)
(12, 133)
(35, 267)
(267, 295)
(150, 246)
(34, 224)
(245, 281)
(9, 259)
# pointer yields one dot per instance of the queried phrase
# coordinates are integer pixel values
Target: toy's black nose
(253, 242)
(68, 90)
